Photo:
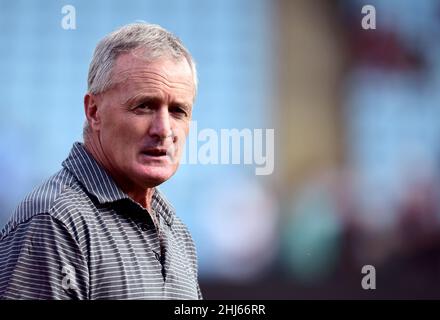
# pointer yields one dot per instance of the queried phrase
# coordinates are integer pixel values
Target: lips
(155, 152)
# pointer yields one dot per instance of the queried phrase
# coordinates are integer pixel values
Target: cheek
(181, 132)
(122, 136)
(128, 129)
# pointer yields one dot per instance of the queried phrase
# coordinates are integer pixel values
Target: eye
(143, 106)
(179, 110)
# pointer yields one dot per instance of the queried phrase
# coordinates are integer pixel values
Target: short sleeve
(40, 259)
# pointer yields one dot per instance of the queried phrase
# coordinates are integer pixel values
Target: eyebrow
(142, 97)
(152, 98)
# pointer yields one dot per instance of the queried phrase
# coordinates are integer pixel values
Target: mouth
(155, 153)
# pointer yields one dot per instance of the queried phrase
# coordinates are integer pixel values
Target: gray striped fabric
(78, 236)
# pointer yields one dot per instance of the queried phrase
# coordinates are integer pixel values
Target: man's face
(144, 118)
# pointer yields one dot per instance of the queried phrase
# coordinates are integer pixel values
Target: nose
(160, 126)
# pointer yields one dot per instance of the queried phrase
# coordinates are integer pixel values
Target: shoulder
(185, 237)
(58, 194)
(182, 229)
(179, 228)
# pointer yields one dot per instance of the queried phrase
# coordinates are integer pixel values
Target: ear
(91, 111)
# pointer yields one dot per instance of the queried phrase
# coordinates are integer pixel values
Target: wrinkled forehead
(136, 67)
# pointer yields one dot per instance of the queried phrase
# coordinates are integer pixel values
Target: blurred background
(357, 135)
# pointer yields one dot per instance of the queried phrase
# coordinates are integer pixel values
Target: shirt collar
(100, 184)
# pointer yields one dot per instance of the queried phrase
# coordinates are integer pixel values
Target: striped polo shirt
(78, 236)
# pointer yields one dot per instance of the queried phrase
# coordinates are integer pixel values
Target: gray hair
(157, 42)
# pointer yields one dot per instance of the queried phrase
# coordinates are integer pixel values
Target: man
(99, 228)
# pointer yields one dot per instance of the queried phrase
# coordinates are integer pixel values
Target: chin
(154, 176)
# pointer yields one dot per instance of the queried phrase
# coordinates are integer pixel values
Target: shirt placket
(160, 245)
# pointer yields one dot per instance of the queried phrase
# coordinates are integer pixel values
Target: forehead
(133, 72)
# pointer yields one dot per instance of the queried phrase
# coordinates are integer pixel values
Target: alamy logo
(369, 280)
(369, 20)
(231, 146)
(68, 281)
(69, 20)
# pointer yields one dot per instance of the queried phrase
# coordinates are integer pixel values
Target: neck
(143, 196)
